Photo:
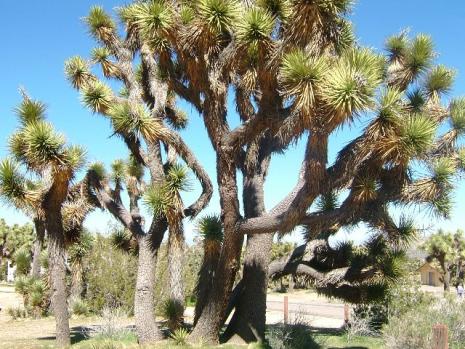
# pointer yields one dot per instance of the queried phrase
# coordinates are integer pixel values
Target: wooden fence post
(346, 314)
(286, 309)
(440, 337)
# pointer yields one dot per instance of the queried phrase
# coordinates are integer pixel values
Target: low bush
(173, 313)
(413, 328)
(35, 295)
(80, 308)
(110, 276)
(296, 335)
(16, 313)
(179, 336)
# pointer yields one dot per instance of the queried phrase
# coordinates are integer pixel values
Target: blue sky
(38, 36)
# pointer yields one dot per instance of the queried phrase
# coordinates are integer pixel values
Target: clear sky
(38, 36)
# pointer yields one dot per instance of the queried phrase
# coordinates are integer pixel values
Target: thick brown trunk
(249, 319)
(175, 265)
(210, 320)
(37, 247)
(57, 269)
(206, 275)
(144, 307)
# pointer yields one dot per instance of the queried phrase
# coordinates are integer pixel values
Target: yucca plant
(179, 336)
(145, 116)
(42, 152)
(294, 72)
(165, 200)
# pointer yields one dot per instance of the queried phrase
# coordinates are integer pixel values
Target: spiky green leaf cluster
(211, 228)
(457, 114)
(152, 18)
(134, 119)
(99, 21)
(390, 105)
(42, 145)
(439, 80)
(278, 8)
(417, 134)
(328, 202)
(12, 182)
(254, 28)
(96, 96)
(77, 72)
(443, 170)
(118, 170)
(416, 100)
(75, 157)
(98, 169)
(100, 54)
(351, 84)
(177, 178)
(419, 56)
(397, 46)
(30, 111)
(301, 77)
(218, 15)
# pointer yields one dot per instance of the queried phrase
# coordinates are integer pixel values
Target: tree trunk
(57, 268)
(77, 286)
(249, 319)
(37, 247)
(210, 320)
(206, 274)
(144, 307)
(175, 265)
(446, 277)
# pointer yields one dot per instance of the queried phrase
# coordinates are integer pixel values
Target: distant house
(430, 275)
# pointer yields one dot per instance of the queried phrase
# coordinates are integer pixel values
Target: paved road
(309, 307)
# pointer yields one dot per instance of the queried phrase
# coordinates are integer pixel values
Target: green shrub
(291, 336)
(22, 260)
(16, 313)
(173, 313)
(110, 276)
(179, 336)
(80, 308)
(35, 295)
(412, 328)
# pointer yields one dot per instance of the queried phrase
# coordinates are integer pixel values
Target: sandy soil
(29, 333)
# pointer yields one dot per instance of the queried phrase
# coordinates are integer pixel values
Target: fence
(440, 331)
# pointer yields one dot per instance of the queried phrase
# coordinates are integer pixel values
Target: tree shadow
(77, 334)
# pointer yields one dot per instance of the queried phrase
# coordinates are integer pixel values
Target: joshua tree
(165, 200)
(448, 250)
(145, 116)
(295, 72)
(40, 152)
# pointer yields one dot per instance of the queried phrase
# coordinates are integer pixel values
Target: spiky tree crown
(296, 72)
(40, 162)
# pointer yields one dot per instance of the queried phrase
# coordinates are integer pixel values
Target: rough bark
(57, 267)
(210, 320)
(206, 275)
(77, 286)
(144, 310)
(175, 265)
(248, 321)
(37, 248)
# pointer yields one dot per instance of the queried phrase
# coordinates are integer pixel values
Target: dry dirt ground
(303, 306)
